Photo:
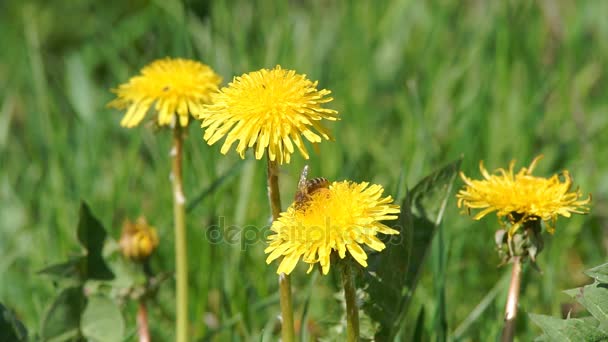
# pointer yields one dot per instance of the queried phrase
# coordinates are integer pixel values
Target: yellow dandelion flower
(521, 197)
(268, 109)
(339, 218)
(174, 86)
(138, 239)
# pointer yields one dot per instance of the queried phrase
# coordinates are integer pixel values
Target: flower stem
(508, 332)
(142, 321)
(273, 189)
(181, 255)
(287, 330)
(352, 310)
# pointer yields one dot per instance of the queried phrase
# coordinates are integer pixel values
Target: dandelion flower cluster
(268, 109)
(521, 197)
(341, 218)
(174, 86)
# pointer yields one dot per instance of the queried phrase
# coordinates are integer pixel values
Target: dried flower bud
(138, 240)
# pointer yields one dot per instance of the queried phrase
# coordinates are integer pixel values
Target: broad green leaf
(594, 298)
(69, 269)
(392, 275)
(11, 329)
(574, 329)
(62, 320)
(92, 235)
(599, 273)
(102, 321)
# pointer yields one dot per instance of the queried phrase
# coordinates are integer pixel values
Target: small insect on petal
(330, 220)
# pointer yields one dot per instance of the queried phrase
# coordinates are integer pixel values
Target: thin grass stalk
(508, 332)
(181, 255)
(352, 310)
(287, 326)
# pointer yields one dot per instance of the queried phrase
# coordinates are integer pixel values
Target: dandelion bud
(138, 240)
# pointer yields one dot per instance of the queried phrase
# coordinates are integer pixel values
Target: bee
(307, 187)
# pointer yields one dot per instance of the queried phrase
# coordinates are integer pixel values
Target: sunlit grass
(417, 84)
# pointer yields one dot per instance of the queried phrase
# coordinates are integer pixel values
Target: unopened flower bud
(138, 239)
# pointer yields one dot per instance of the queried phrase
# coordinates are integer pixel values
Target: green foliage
(62, 320)
(594, 298)
(11, 329)
(418, 83)
(72, 315)
(92, 237)
(393, 274)
(90, 266)
(102, 320)
(599, 273)
(573, 329)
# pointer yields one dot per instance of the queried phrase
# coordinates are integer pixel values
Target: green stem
(352, 310)
(181, 255)
(508, 332)
(287, 330)
(274, 195)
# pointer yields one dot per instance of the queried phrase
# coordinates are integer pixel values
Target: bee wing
(303, 178)
(302, 190)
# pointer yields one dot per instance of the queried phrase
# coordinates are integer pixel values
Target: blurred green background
(418, 84)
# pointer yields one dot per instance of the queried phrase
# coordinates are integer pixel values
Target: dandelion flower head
(521, 196)
(177, 88)
(341, 218)
(268, 109)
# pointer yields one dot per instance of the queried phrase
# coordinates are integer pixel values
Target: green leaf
(11, 329)
(594, 298)
(419, 332)
(392, 275)
(102, 320)
(92, 235)
(574, 329)
(599, 273)
(69, 269)
(62, 320)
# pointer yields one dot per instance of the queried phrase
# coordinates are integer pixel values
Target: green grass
(418, 84)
